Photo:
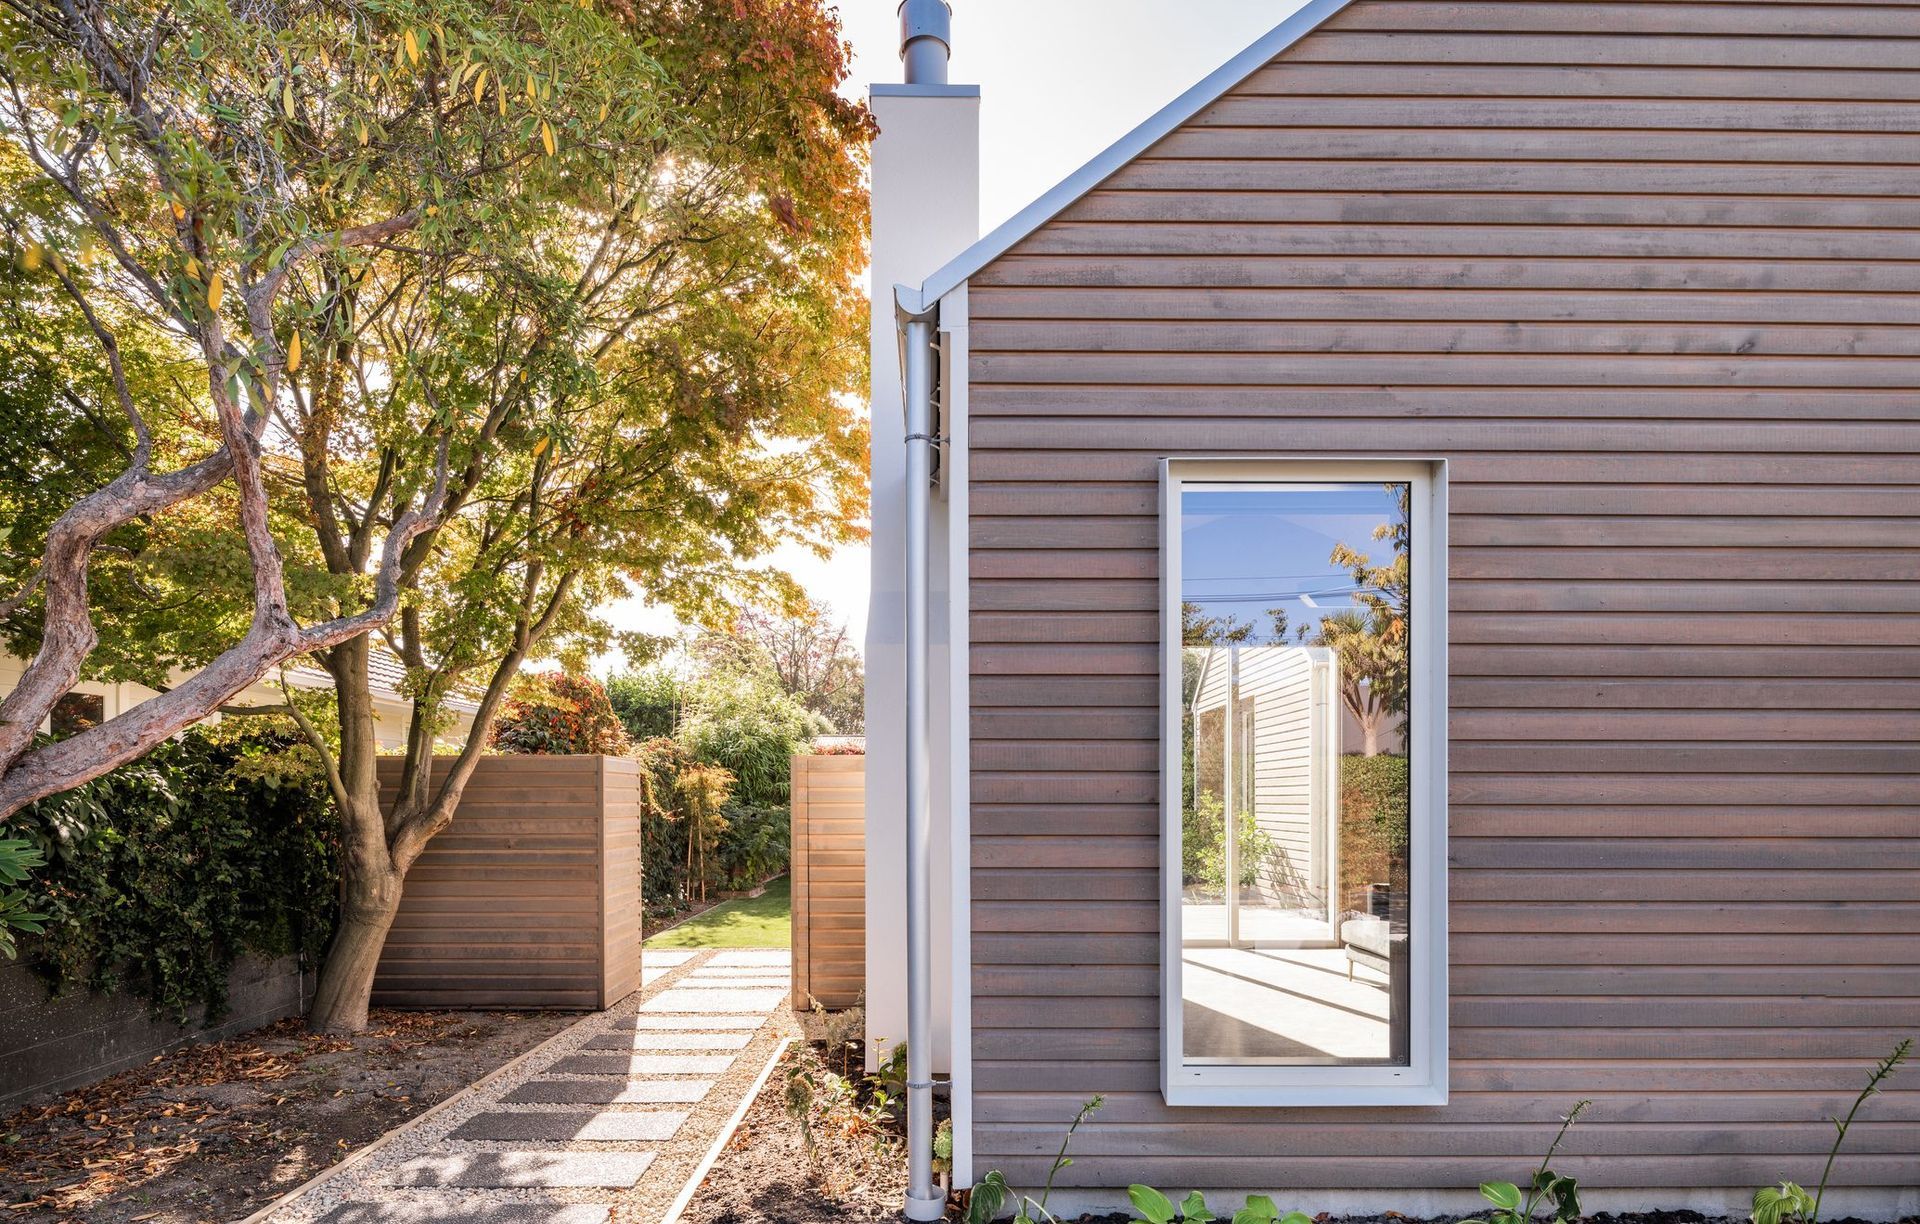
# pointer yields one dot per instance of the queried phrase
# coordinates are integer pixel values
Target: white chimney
(926, 210)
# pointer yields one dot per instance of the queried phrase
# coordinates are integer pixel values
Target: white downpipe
(924, 1200)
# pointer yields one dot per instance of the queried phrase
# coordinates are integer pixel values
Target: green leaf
(988, 1197)
(1154, 1206)
(1259, 1210)
(1501, 1194)
(1193, 1209)
(1296, 1217)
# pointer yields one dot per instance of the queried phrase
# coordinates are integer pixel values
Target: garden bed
(217, 1131)
(845, 1163)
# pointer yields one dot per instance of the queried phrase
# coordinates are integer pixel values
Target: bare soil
(846, 1165)
(217, 1131)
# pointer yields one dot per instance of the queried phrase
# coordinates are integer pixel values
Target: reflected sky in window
(1247, 552)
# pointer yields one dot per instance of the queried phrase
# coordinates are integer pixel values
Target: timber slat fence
(829, 881)
(530, 898)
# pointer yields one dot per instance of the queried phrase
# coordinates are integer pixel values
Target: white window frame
(1424, 1080)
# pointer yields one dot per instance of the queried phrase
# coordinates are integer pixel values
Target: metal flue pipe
(926, 40)
(924, 1200)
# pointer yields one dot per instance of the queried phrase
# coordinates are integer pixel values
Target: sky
(1060, 80)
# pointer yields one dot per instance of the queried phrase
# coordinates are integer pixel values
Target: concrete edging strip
(725, 1136)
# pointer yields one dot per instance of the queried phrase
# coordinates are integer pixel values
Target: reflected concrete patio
(1282, 1005)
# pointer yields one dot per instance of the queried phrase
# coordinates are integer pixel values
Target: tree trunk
(370, 885)
(1370, 737)
(369, 901)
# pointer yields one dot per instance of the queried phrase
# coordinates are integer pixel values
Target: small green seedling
(1156, 1208)
(1514, 1206)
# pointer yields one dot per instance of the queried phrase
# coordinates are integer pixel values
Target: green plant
(1156, 1208)
(1203, 845)
(1787, 1203)
(647, 702)
(992, 1193)
(17, 858)
(1512, 1206)
(751, 729)
(1374, 824)
(756, 845)
(162, 873)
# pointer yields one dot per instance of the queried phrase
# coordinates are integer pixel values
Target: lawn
(764, 921)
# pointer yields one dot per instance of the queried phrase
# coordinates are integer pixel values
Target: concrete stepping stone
(500, 1170)
(667, 957)
(772, 973)
(671, 1041)
(637, 1066)
(686, 1024)
(733, 983)
(699, 999)
(464, 1210)
(754, 956)
(572, 1126)
(610, 1091)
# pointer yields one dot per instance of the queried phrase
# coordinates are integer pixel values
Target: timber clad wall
(530, 898)
(829, 880)
(1648, 276)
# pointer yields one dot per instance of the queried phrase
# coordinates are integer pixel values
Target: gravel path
(604, 1123)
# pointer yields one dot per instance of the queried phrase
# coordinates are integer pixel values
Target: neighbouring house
(95, 701)
(1535, 382)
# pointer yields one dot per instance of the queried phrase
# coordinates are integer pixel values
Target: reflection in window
(1295, 620)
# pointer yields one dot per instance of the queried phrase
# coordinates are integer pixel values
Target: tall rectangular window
(1303, 782)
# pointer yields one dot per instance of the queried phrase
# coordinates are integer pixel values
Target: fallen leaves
(209, 1105)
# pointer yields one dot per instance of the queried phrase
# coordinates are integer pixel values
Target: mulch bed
(847, 1163)
(217, 1131)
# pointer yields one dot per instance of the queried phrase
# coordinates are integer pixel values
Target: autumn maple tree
(542, 305)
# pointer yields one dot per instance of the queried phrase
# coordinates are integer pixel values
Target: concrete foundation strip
(725, 1136)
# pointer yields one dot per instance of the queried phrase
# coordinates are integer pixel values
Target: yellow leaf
(179, 213)
(500, 93)
(193, 267)
(30, 258)
(530, 90)
(293, 353)
(433, 210)
(539, 448)
(215, 290)
(364, 134)
(413, 47)
(286, 99)
(603, 112)
(546, 136)
(479, 84)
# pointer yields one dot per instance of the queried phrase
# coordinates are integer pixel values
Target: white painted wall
(926, 209)
(391, 713)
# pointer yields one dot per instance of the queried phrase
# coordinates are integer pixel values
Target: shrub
(756, 845)
(1374, 817)
(752, 731)
(647, 703)
(556, 714)
(1203, 846)
(162, 873)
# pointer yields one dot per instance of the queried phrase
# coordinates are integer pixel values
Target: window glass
(1296, 618)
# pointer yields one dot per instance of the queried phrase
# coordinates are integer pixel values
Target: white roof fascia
(1133, 144)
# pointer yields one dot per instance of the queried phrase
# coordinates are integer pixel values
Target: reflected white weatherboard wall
(926, 210)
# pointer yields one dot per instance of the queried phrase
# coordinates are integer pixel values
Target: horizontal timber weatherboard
(1645, 274)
